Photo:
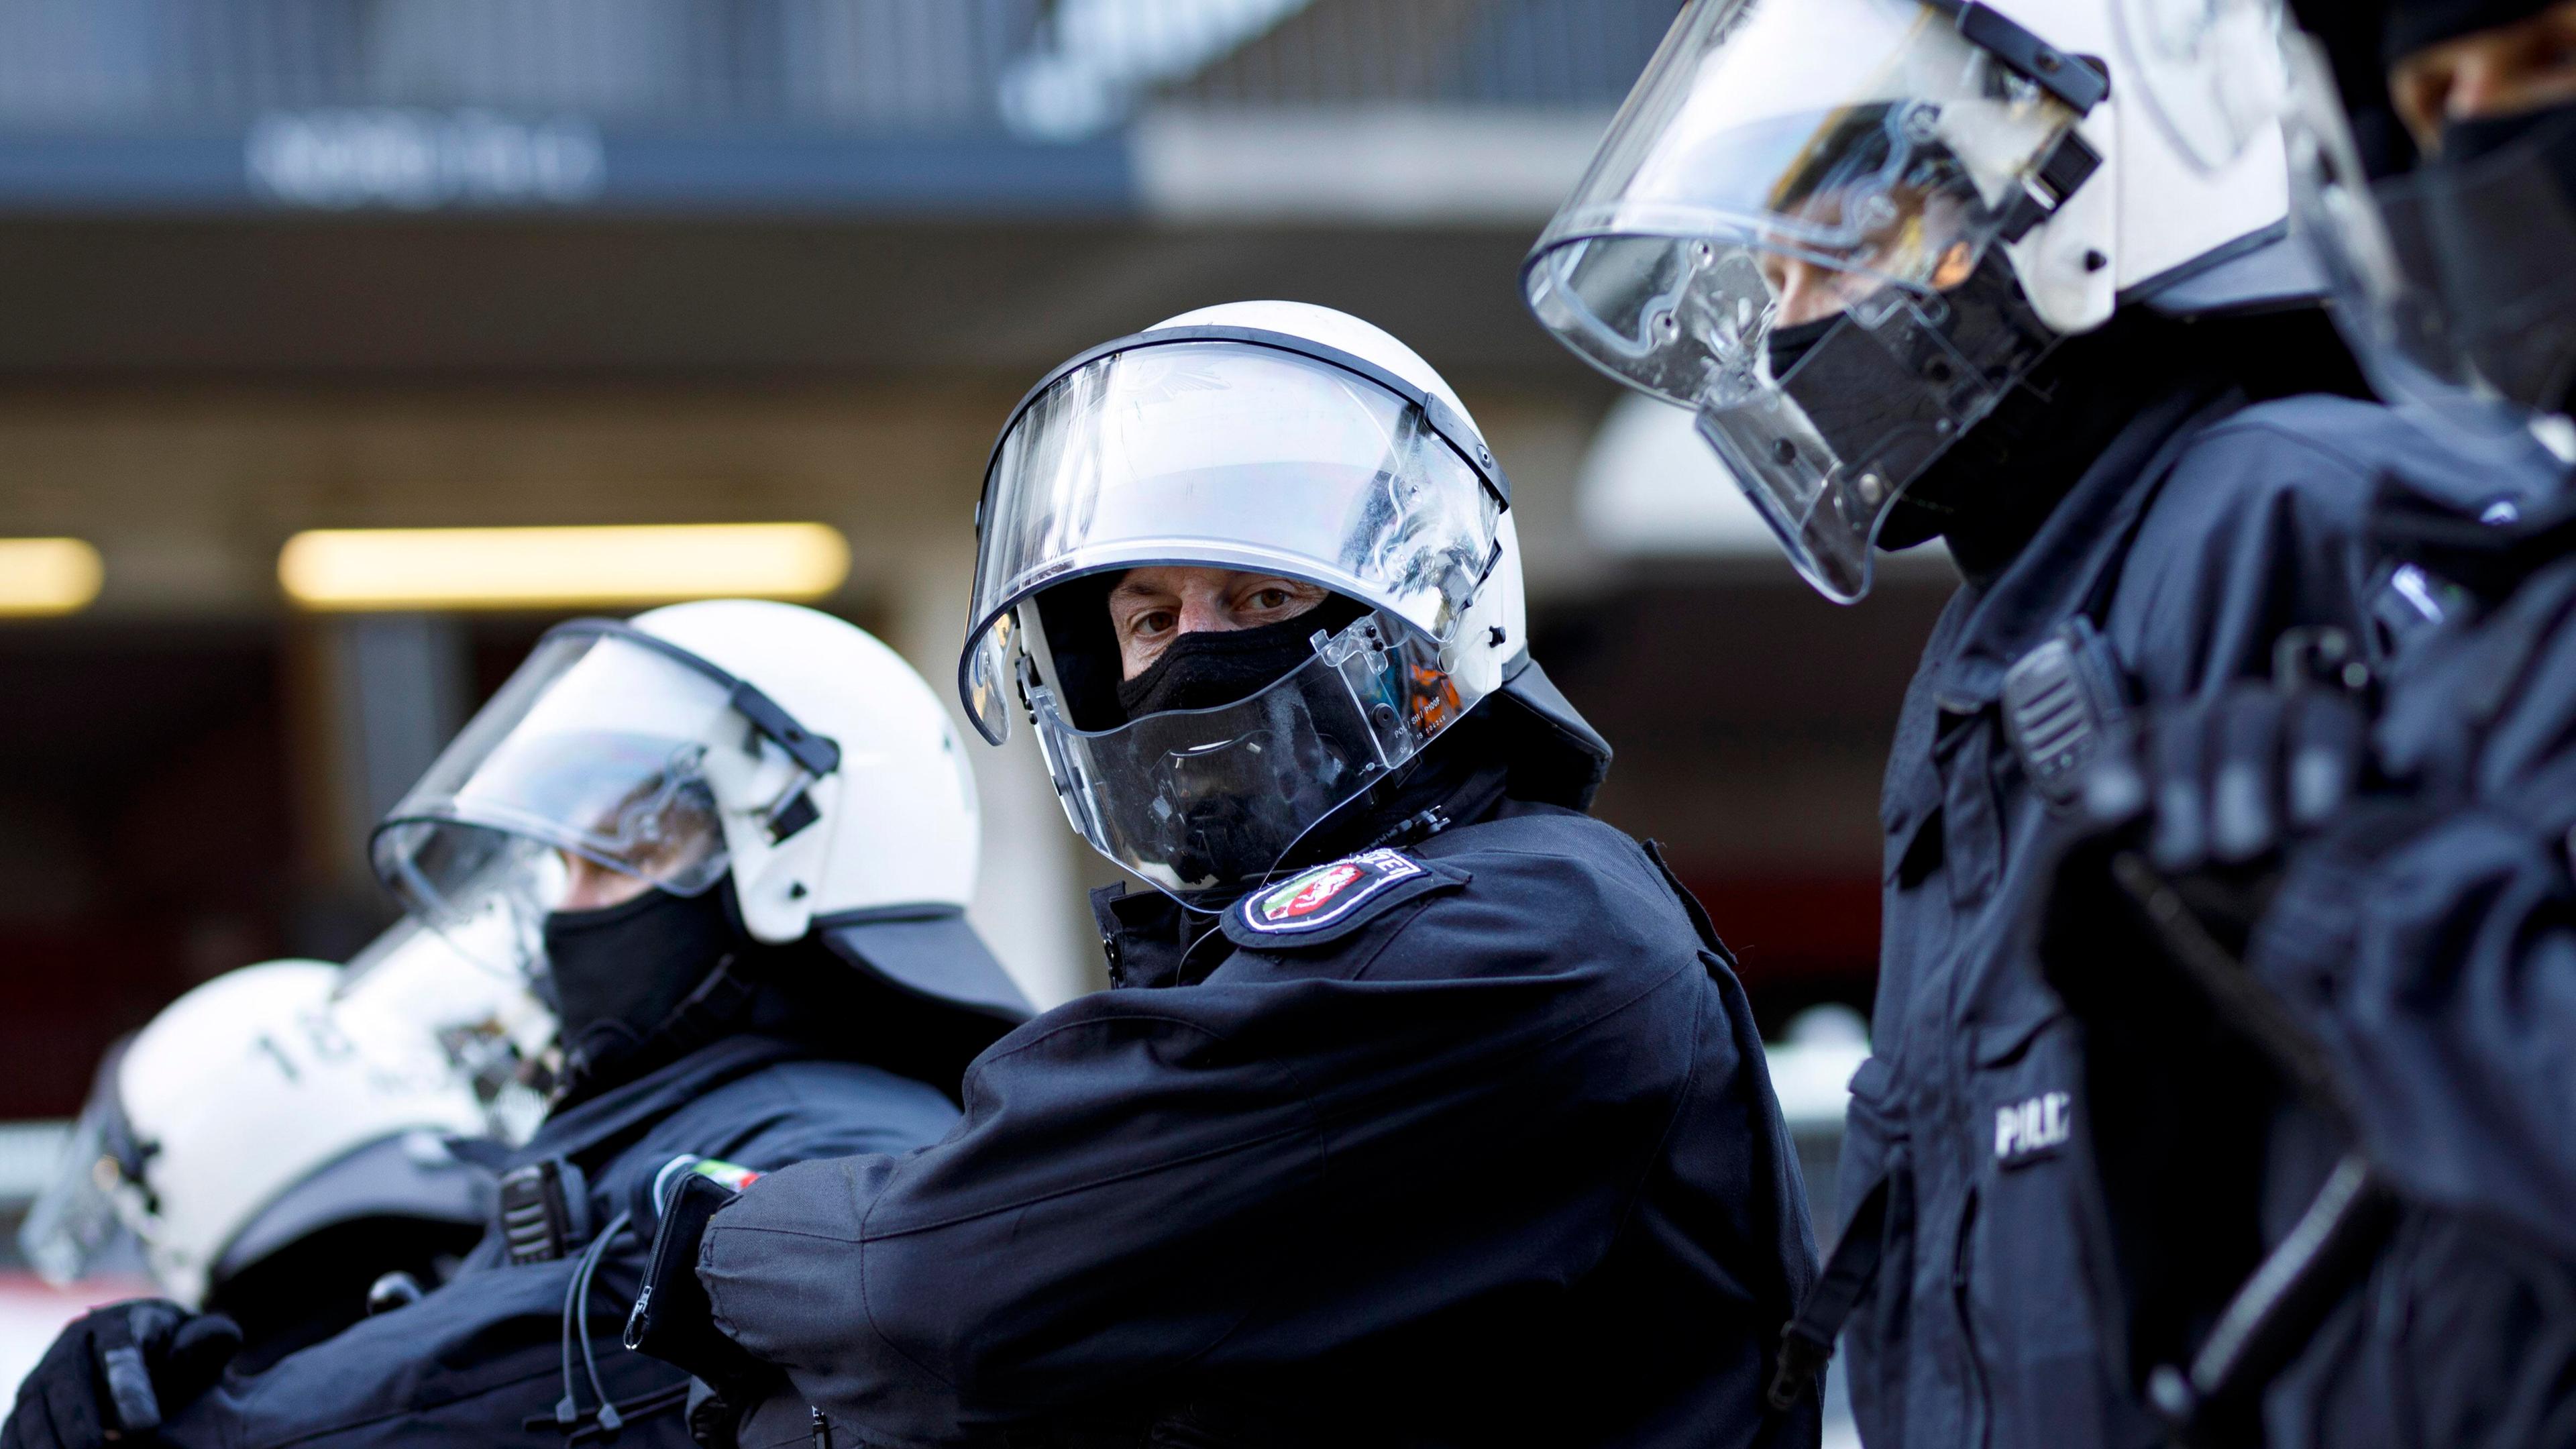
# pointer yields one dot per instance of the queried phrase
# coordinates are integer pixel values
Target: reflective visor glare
(1226, 455)
(1853, 145)
(75, 1219)
(2383, 298)
(594, 752)
(1211, 800)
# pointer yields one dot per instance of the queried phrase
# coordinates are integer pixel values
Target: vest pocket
(2029, 1259)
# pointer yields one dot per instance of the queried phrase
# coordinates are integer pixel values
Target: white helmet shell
(1268, 438)
(1844, 231)
(764, 744)
(899, 825)
(1494, 634)
(251, 1084)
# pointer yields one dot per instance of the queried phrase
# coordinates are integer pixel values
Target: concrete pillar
(381, 695)
(1029, 901)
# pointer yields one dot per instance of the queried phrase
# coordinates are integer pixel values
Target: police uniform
(1995, 1283)
(2427, 941)
(502, 1354)
(1464, 1142)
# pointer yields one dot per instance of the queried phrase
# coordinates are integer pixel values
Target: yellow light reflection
(522, 568)
(41, 576)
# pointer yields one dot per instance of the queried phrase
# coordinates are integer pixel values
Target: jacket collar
(2075, 555)
(599, 1126)
(1153, 940)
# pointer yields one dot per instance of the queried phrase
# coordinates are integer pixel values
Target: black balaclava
(1207, 668)
(618, 976)
(1210, 667)
(1990, 492)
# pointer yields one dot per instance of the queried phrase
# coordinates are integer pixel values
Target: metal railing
(1044, 68)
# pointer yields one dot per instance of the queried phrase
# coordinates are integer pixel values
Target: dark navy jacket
(479, 1361)
(1473, 1144)
(2205, 530)
(2428, 941)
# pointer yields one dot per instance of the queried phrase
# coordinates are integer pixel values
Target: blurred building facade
(275, 265)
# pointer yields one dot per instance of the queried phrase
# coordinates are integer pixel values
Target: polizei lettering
(2033, 1128)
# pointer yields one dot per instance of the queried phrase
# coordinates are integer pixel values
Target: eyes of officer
(1151, 607)
(589, 886)
(2527, 66)
(1896, 227)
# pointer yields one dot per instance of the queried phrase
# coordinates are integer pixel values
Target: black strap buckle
(2069, 164)
(544, 1211)
(1807, 1342)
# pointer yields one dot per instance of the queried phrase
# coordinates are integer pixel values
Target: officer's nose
(1808, 292)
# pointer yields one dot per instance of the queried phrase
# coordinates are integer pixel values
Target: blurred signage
(420, 160)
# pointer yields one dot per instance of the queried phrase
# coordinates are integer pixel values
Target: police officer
(295, 1139)
(730, 842)
(1929, 269)
(2402, 962)
(1424, 1108)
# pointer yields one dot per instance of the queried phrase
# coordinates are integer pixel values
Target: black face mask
(2496, 215)
(2465, 143)
(1212, 667)
(1789, 346)
(616, 975)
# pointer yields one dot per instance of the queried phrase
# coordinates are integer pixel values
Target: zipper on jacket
(1972, 1387)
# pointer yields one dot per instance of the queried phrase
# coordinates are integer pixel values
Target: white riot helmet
(1842, 231)
(1273, 437)
(2449, 277)
(764, 744)
(252, 1117)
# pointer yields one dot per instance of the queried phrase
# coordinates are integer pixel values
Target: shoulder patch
(1324, 903)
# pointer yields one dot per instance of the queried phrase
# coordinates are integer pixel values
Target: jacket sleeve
(2433, 952)
(1301, 1152)
(479, 1361)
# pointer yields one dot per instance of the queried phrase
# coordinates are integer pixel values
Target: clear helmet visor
(1206, 802)
(597, 757)
(1224, 454)
(1796, 228)
(2451, 282)
(84, 1212)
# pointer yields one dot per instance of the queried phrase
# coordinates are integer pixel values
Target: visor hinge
(2079, 81)
(2069, 164)
(819, 754)
(792, 817)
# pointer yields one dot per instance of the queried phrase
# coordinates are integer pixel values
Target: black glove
(2209, 793)
(673, 1319)
(2229, 781)
(116, 1371)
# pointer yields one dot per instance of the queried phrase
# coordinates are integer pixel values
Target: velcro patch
(1320, 904)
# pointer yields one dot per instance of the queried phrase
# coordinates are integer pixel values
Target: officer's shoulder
(809, 1084)
(1547, 871)
(2313, 446)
